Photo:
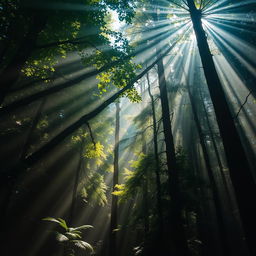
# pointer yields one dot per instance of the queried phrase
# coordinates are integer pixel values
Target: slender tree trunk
(214, 187)
(157, 162)
(175, 224)
(175, 220)
(113, 220)
(241, 176)
(203, 232)
(146, 177)
(76, 182)
(216, 151)
(145, 207)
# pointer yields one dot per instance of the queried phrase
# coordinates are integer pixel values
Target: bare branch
(179, 5)
(241, 107)
(91, 134)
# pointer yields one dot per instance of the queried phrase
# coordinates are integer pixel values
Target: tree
(239, 167)
(213, 184)
(113, 219)
(60, 160)
(59, 30)
(157, 161)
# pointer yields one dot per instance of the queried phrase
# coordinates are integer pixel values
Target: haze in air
(128, 127)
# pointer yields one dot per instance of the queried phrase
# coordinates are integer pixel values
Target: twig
(246, 99)
(91, 134)
(159, 123)
(172, 114)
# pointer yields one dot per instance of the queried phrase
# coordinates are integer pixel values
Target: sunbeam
(128, 127)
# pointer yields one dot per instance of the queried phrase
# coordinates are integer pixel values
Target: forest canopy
(128, 127)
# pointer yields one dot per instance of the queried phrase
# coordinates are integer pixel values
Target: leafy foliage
(94, 150)
(134, 179)
(70, 238)
(80, 27)
(118, 75)
(94, 189)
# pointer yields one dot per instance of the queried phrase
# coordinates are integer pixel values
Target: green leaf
(63, 223)
(82, 244)
(72, 235)
(51, 219)
(60, 221)
(75, 231)
(60, 237)
(82, 227)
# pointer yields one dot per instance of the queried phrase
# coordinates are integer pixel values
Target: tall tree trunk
(113, 220)
(214, 187)
(216, 151)
(241, 176)
(232, 223)
(76, 183)
(157, 162)
(11, 72)
(203, 231)
(175, 227)
(145, 207)
(175, 220)
(146, 176)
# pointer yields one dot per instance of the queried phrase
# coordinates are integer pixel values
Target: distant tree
(114, 206)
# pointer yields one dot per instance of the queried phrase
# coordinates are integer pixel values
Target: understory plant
(71, 238)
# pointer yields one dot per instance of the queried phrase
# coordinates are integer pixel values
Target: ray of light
(208, 6)
(233, 25)
(220, 35)
(237, 91)
(237, 43)
(228, 7)
(242, 17)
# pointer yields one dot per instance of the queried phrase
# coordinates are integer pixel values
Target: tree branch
(91, 134)
(25, 101)
(241, 107)
(34, 157)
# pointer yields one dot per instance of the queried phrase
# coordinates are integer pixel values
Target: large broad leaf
(60, 237)
(81, 228)
(72, 235)
(82, 245)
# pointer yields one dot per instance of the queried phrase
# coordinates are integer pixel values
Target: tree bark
(213, 184)
(157, 162)
(175, 220)
(113, 220)
(76, 183)
(216, 151)
(241, 176)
